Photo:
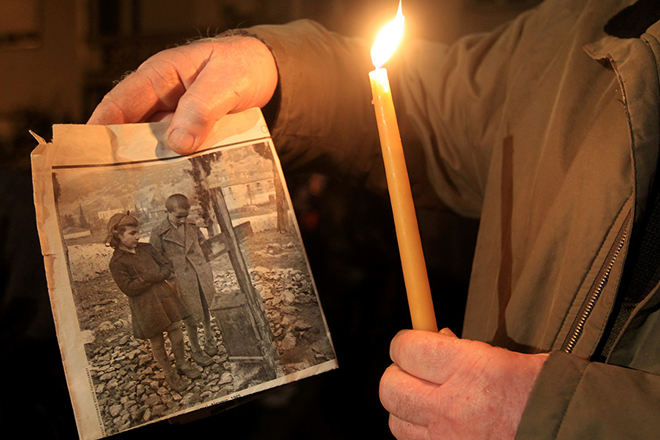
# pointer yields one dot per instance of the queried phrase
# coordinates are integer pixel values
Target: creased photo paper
(178, 284)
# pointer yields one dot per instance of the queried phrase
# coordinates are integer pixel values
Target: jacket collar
(119, 253)
(635, 61)
(169, 233)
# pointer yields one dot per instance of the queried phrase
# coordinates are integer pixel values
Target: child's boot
(188, 369)
(210, 342)
(176, 382)
(211, 346)
(196, 352)
(200, 357)
(182, 365)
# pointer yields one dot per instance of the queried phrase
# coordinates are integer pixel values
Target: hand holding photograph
(177, 283)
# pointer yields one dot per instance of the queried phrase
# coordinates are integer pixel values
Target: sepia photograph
(190, 282)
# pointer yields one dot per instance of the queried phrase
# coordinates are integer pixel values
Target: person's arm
(165, 266)
(130, 285)
(156, 240)
(325, 120)
(448, 101)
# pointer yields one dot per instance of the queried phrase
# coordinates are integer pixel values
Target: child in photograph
(146, 277)
(179, 240)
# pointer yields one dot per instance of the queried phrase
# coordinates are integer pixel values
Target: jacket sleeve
(130, 285)
(448, 100)
(574, 399)
(324, 121)
(166, 268)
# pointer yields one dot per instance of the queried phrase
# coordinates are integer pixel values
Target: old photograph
(190, 282)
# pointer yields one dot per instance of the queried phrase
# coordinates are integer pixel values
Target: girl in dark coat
(146, 277)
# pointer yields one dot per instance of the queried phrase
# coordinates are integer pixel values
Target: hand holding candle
(405, 220)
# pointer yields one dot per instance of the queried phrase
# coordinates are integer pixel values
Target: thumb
(428, 355)
(203, 104)
(191, 124)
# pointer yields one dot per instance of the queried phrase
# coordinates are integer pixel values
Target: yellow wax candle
(420, 301)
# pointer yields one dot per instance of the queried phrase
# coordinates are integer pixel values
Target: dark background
(59, 57)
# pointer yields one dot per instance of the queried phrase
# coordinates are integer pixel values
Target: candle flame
(387, 40)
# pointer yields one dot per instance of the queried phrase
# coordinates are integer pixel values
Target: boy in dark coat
(179, 240)
(145, 276)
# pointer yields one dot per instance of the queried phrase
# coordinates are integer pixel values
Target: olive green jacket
(547, 130)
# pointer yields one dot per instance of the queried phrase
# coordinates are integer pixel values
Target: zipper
(597, 289)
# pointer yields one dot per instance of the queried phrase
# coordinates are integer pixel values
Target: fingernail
(181, 141)
(447, 332)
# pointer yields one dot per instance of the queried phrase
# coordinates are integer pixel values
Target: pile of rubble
(131, 389)
(288, 296)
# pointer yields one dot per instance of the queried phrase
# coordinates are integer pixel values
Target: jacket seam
(568, 405)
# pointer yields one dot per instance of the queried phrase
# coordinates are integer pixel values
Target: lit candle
(420, 301)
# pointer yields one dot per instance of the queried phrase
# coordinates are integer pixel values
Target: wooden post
(251, 298)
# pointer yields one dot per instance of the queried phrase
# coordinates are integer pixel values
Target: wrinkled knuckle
(142, 79)
(196, 107)
(401, 344)
(395, 426)
(437, 355)
(112, 109)
(386, 385)
(161, 75)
